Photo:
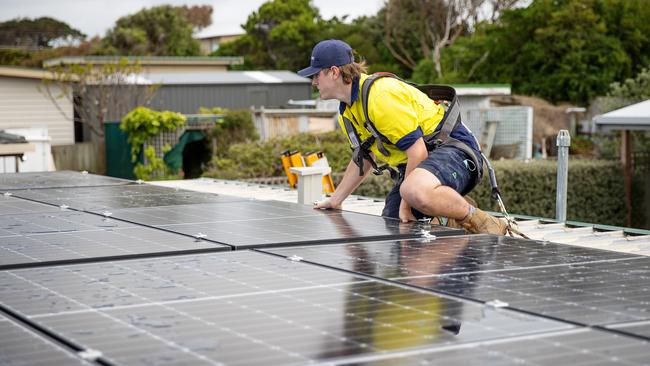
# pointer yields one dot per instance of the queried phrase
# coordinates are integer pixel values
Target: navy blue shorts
(453, 168)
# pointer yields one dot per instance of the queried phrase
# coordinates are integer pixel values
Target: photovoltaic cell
(56, 222)
(245, 308)
(13, 206)
(250, 224)
(573, 347)
(597, 293)
(20, 346)
(10, 181)
(77, 246)
(575, 284)
(446, 255)
(100, 199)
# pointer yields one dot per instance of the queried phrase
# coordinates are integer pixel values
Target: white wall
(22, 105)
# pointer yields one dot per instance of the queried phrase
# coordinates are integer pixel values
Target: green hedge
(596, 193)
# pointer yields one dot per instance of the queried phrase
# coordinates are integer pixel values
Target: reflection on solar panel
(245, 308)
(574, 347)
(20, 346)
(571, 283)
(55, 222)
(9, 181)
(111, 282)
(99, 199)
(448, 255)
(267, 223)
(641, 329)
(12, 206)
(92, 245)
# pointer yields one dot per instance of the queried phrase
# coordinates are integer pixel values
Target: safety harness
(450, 120)
(442, 136)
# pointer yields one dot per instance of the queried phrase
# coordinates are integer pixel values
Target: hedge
(596, 192)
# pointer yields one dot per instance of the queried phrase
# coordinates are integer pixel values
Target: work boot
(478, 221)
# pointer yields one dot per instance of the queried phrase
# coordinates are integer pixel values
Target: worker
(391, 125)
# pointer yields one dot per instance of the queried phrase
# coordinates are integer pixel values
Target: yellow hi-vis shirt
(397, 110)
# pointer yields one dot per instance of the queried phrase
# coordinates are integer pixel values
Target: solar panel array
(102, 271)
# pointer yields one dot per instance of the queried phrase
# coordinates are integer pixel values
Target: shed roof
(632, 117)
(145, 60)
(224, 78)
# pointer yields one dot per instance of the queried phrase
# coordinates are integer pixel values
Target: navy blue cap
(328, 53)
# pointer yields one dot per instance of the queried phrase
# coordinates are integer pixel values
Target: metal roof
(145, 60)
(632, 117)
(225, 78)
(618, 239)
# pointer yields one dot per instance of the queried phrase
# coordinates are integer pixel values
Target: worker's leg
(435, 186)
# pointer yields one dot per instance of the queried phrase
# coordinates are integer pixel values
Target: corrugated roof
(145, 60)
(229, 77)
(618, 239)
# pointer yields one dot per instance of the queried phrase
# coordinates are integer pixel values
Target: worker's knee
(417, 190)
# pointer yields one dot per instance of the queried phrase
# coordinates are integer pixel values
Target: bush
(235, 127)
(262, 159)
(596, 192)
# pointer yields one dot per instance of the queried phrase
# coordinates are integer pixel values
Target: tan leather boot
(480, 222)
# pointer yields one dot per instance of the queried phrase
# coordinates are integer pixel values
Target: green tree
(37, 33)
(158, 31)
(279, 35)
(561, 50)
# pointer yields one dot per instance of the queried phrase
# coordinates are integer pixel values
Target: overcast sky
(95, 17)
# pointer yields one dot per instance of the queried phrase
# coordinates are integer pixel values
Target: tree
(36, 34)
(199, 16)
(420, 29)
(158, 31)
(97, 93)
(279, 35)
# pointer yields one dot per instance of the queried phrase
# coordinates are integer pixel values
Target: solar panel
(249, 224)
(99, 199)
(246, 308)
(573, 347)
(94, 245)
(576, 284)
(12, 206)
(446, 255)
(55, 222)
(10, 181)
(641, 329)
(21, 346)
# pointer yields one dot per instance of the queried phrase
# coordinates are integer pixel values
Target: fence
(88, 156)
(506, 131)
(272, 123)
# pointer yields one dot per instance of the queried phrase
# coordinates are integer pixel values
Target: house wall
(22, 105)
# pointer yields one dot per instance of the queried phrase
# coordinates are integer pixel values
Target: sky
(95, 17)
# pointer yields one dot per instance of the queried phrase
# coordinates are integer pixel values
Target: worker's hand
(405, 213)
(327, 204)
